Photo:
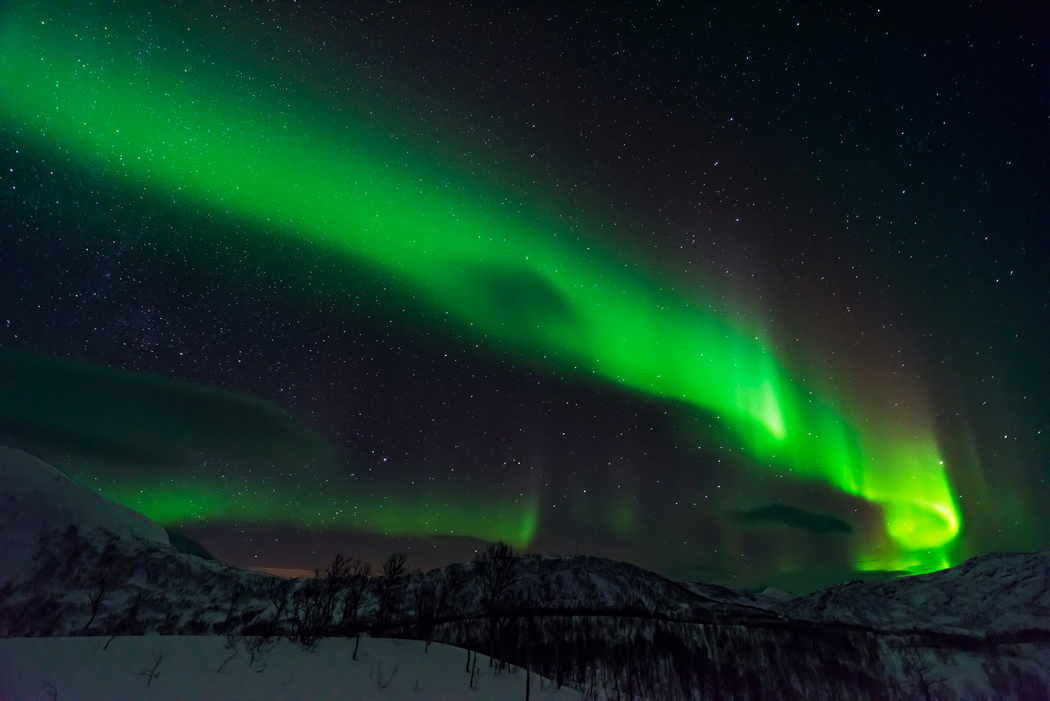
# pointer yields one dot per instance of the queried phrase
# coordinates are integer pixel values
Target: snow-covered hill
(585, 583)
(768, 599)
(83, 566)
(36, 498)
(992, 593)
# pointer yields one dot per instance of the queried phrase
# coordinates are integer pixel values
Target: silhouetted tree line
(560, 627)
(635, 658)
(627, 657)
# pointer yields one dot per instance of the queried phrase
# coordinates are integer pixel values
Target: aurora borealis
(341, 209)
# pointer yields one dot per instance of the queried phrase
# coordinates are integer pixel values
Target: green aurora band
(512, 520)
(504, 279)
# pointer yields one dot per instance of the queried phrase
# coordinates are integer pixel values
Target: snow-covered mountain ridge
(988, 594)
(767, 600)
(90, 567)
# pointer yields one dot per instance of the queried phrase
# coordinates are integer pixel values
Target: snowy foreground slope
(80, 570)
(188, 669)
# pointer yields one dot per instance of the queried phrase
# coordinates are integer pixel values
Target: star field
(750, 294)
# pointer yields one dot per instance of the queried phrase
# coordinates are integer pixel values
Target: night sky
(755, 294)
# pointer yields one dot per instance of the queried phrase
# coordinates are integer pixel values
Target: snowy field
(80, 668)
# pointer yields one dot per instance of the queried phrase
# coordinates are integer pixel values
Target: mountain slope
(89, 567)
(769, 599)
(36, 498)
(988, 594)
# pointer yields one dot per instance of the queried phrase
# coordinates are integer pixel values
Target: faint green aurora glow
(503, 278)
(398, 513)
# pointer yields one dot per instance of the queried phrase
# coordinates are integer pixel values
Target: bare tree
(313, 602)
(528, 676)
(111, 570)
(497, 571)
(530, 626)
(234, 655)
(356, 586)
(335, 578)
(452, 582)
(258, 646)
(306, 610)
(918, 672)
(393, 573)
(236, 596)
(383, 679)
(426, 601)
(475, 673)
(151, 673)
(277, 593)
(141, 599)
(394, 566)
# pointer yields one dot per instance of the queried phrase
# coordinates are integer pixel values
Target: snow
(85, 669)
(582, 582)
(776, 594)
(767, 600)
(36, 498)
(987, 594)
(978, 630)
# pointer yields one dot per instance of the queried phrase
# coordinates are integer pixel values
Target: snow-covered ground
(85, 669)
